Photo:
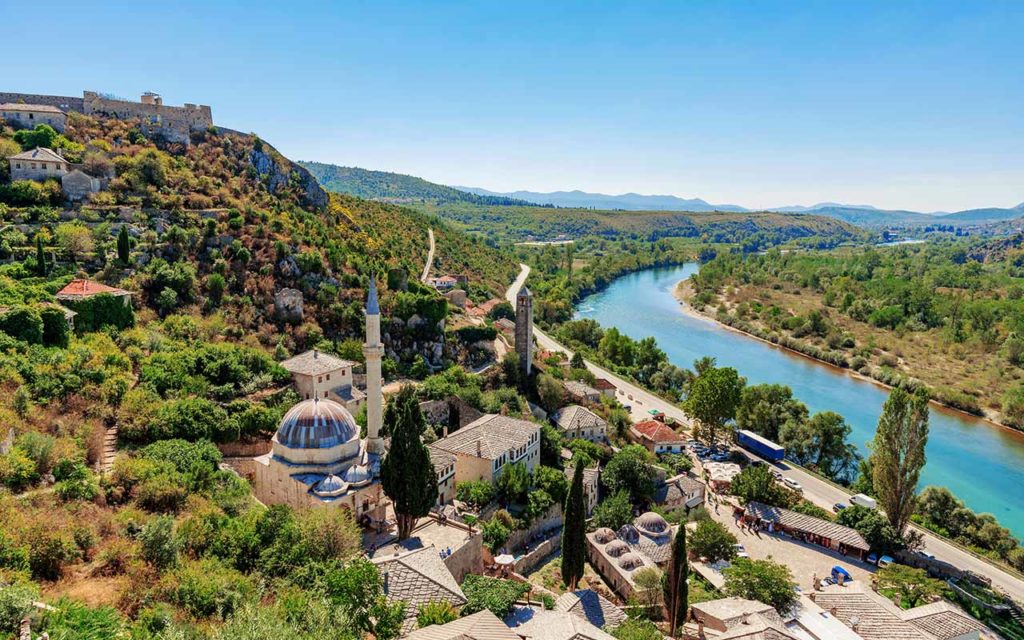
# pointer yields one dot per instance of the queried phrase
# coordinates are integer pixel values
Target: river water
(980, 463)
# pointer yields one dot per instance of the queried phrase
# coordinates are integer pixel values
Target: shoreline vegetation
(683, 292)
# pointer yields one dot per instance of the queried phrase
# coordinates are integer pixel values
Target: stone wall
(66, 103)
(551, 522)
(453, 412)
(538, 555)
(157, 120)
(468, 558)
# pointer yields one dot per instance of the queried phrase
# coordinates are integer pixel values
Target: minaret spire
(373, 350)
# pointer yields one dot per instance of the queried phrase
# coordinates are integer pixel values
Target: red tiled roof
(602, 384)
(87, 288)
(657, 431)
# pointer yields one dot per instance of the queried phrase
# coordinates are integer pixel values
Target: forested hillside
(395, 187)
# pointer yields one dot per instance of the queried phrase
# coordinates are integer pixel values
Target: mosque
(317, 457)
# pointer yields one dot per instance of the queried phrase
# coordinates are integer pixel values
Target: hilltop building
(524, 330)
(80, 289)
(29, 116)
(38, 164)
(316, 455)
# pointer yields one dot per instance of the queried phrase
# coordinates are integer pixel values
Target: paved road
(430, 258)
(816, 490)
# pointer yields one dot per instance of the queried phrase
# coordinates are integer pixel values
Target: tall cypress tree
(898, 454)
(574, 531)
(122, 245)
(40, 256)
(407, 474)
(677, 593)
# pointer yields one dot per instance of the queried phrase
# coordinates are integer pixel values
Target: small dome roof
(358, 475)
(604, 535)
(651, 522)
(330, 486)
(317, 424)
(629, 533)
(631, 561)
(617, 548)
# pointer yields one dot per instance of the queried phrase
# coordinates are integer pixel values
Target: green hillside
(394, 187)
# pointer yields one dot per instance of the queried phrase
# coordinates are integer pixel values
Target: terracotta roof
(313, 362)
(591, 606)
(39, 154)
(657, 432)
(603, 385)
(479, 626)
(559, 625)
(80, 289)
(490, 435)
(809, 524)
(18, 106)
(417, 578)
(575, 417)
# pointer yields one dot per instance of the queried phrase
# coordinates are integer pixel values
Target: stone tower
(374, 351)
(524, 330)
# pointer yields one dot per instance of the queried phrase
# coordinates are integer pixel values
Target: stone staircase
(109, 449)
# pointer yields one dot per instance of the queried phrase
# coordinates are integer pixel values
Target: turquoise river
(981, 463)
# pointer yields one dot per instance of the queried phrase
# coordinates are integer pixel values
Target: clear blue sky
(897, 104)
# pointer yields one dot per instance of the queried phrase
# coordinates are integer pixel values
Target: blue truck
(760, 445)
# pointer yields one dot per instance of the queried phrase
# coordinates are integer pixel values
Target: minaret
(524, 330)
(374, 351)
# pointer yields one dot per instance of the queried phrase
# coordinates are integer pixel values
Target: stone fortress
(173, 123)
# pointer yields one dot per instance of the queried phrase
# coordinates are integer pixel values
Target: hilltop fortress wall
(157, 119)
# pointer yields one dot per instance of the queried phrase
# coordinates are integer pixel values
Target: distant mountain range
(859, 214)
(398, 187)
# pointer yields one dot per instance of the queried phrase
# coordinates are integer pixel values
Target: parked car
(872, 558)
(862, 500)
(792, 484)
(925, 554)
(720, 457)
(885, 561)
(777, 474)
(839, 506)
(741, 552)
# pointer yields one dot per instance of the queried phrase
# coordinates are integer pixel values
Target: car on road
(792, 484)
(839, 506)
(862, 500)
(925, 554)
(777, 474)
(741, 551)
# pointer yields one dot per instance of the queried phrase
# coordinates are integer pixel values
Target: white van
(863, 501)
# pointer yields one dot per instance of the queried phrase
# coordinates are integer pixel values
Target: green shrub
(159, 543)
(16, 602)
(490, 593)
(495, 534)
(49, 551)
(208, 588)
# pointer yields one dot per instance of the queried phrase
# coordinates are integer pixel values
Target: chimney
(314, 354)
(479, 449)
(444, 432)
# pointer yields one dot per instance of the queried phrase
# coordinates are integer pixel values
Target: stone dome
(631, 561)
(317, 424)
(616, 548)
(652, 523)
(604, 535)
(332, 485)
(358, 475)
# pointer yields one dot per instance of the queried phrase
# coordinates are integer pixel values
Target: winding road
(430, 258)
(815, 489)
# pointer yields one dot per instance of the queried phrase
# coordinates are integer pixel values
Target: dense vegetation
(946, 314)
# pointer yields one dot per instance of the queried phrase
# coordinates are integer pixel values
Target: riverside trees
(898, 454)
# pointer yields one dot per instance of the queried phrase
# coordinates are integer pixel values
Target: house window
(319, 378)
(31, 116)
(42, 165)
(17, 165)
(325, 394)
(328, 376)
(33, 165)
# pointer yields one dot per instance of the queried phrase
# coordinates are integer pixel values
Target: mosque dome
(332, 485)
(604, 535)
(651, 523)
(317, 424)
(631, 561)
(358, 475)
(616, 548)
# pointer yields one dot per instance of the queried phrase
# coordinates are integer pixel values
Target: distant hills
(401, 188)
(396, 187)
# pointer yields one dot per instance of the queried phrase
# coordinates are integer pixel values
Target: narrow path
(816, 490)
(109, 449)
(430, 258)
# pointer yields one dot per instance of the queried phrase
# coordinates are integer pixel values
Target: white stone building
(485, 446)
(28, 116)
(38, 164)
(321, 375)
(578, 422)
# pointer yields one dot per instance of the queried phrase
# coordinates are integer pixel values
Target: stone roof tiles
(489, 436)
(38, 108)
(575, 417)
(417, 578)
(809, 524)
(478, 626)
(313, 362)
(559, 625)
(39, 154)
(592, 607)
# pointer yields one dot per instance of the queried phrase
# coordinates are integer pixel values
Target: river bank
(683, 292)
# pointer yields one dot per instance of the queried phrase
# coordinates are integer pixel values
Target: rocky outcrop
(288, 305)
(279, 173)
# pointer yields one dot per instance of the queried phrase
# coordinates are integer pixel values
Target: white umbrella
(505, 559)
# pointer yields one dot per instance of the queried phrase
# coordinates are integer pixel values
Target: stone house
(417, 578)
(657, 437)
(321, 375)
(443, 283)
(29, 116)
(444, 465)
(80, 289)
(484, 447)
(591, 482)
(582, 392)
(578, 422)
(38, 164)
(681, 491)
(77, 184)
